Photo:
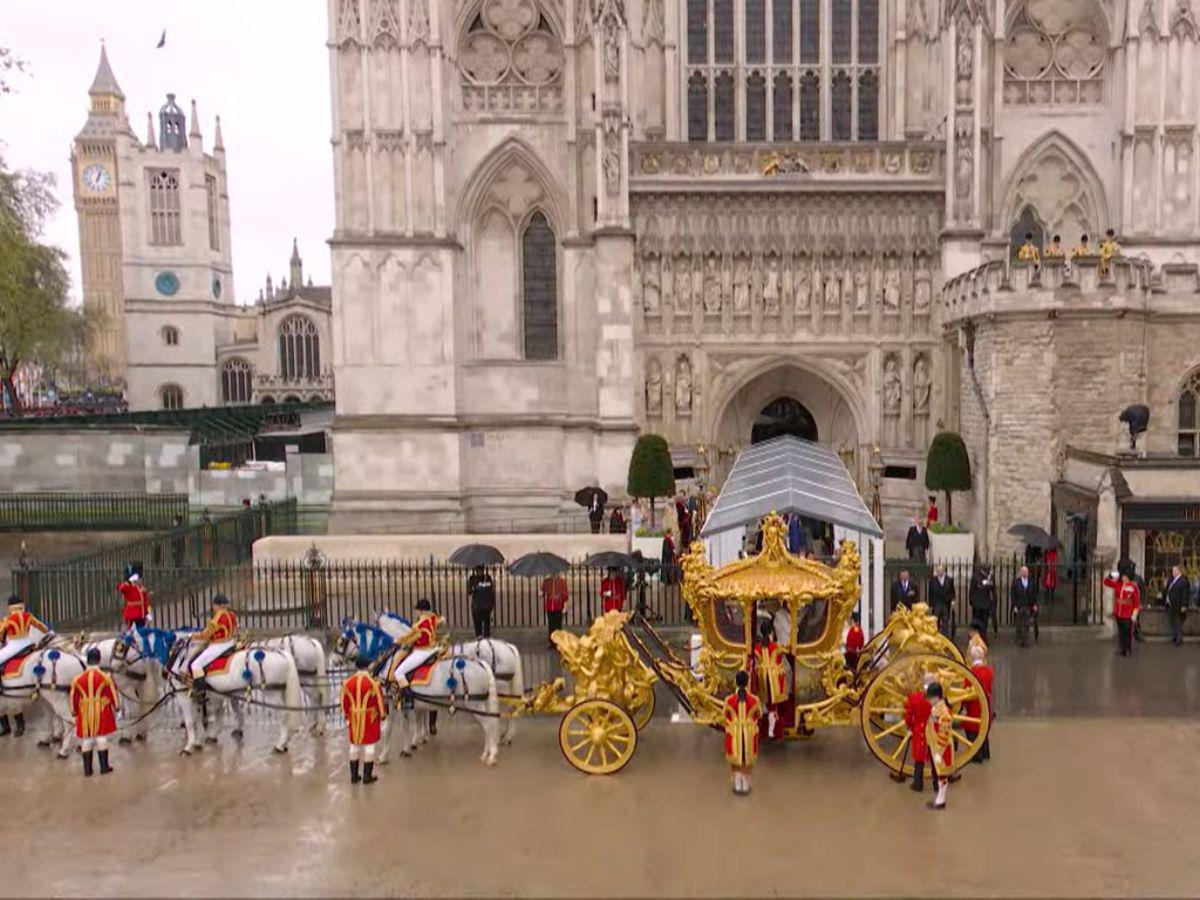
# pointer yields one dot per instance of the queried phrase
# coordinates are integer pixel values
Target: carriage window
(730, 622)
(811, 627)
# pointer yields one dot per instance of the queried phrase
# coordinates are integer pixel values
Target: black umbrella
(610, 559)
(473, 555)
(1035, 536)
(584, 496)
(538, 565)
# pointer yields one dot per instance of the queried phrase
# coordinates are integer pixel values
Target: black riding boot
(369, 773)
(433, 721)
(355, 778)
(19, 728)
(918, 782)
(5, 728)
(105, 768)
(87, 764)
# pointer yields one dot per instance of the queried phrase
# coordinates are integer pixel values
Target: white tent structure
(790, 475)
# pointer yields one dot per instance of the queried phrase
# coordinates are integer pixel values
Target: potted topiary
(651, 475)
(948, 468)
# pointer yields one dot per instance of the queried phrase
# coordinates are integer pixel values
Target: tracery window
(299, 348)
(171, 396)
(770, 78)
(1055, 54)
(1189, 422)
(539, 289)
(511, 61)
(170, 335)
(165, 227)
(237, 381)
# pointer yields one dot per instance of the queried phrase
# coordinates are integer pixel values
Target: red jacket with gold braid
(916, 715)
(17, 625)
(364, 708)
(220, 627)
(741, 729)
(939, 736)
(772, 676)
(94, 703)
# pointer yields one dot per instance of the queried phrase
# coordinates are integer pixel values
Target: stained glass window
(697, 31)
(868, 106)
(756, 108)
(781, 35)
(841, 31)
(810, 107)
(868, 31)
(783, 107)
(756, 34)
(810, 31)
(724, 107)
(697, 108)
(539, 287)
(723, 29)
(841, 96)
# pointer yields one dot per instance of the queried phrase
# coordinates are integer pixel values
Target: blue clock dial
(167, 283)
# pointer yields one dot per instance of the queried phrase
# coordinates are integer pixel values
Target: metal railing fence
(68, 511)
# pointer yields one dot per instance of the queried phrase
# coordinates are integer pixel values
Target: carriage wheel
(643, 713)
(883, 725)
(597, 737)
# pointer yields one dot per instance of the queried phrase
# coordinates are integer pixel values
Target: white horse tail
(320, 673)
(293, 695)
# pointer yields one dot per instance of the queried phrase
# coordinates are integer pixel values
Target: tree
(947, 467)
(651, 472)
(35, 321)
(8, 65)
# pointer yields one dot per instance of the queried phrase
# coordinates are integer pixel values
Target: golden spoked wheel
(883, 723)
(643, 713)
(597, 737)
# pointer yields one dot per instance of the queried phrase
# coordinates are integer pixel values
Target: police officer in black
(482, 592)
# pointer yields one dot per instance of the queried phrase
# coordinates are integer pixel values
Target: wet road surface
(1091, 791)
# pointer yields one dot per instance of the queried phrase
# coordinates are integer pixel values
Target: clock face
(166, 283)
(96, 178)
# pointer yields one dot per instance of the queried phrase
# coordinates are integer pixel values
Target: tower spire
(297, 267)
(218, 140)
(105, 83)
(194, 131)
(171, 125)
(150, 130)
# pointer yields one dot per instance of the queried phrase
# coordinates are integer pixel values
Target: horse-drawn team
(115, 684)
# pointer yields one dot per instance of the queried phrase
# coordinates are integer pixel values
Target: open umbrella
(473, 555)
(538, 565)
(610, 559)
(1035, 536)
(584, 496)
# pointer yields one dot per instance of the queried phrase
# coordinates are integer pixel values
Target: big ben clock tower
(94, 159)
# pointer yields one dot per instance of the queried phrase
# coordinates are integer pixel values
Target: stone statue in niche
(683, 285)
(891, 289)
(771, 286)
(803, 291)
(922, 293)
(741, 286)
(668, 283)
(612, 164)
(862, 288)
(653, 387)
(964, 59)
(651, 291)
(683, 386)
(892, 392)
(612, 49)
(922, 386)
(833, 292)
(964, 172)
(712, 286)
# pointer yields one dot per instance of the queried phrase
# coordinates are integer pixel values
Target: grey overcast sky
(261, 64)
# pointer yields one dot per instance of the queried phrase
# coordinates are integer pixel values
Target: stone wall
(43, 458)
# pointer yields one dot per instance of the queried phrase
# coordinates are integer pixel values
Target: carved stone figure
(862, 289)
(803, 291)
(612, 164)
(741, 286)
(683, 285)
(891, 289)
(892, 392)
(668, 283)
(418, 21)
(921, 386)
(650, 286)
(771, 286)
(653, 387)
(612, 49)
(923, 292)
(964, 171)
(712, 286)
(683, 386)
(833, 292)
(964, 59)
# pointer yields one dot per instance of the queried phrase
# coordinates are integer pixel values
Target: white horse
(466, 684)
(309, 654)
(503, 658)
(19, 691)
(259, 669)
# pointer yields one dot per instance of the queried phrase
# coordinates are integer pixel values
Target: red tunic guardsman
(365, 709)
(939, 737)
(977, 653)
(742, 713)
(136, 612)
(916, 715)
(612, 592)
(771, 668)
(94, 703)
(854, 642)
(1127, 600)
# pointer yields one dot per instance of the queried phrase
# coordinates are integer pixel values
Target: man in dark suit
(1176, 595)
(941, 600)
(904, 590)
(1023, 595)
(917, 541)
(982, 594)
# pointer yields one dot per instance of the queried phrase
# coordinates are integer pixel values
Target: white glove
(149, 617)
(1114, 574)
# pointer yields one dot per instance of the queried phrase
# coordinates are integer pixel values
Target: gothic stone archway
(784, 415)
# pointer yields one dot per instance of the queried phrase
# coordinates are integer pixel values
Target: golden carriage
(614, 667)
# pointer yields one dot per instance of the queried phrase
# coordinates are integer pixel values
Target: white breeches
(207, 655)
(94, 743)
(365, 752)
(412, 661)
(13, 646)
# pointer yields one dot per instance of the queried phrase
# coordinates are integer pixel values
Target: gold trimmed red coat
(741, 729)
(17, 624)
(94, 703)
(220, 627)
(364, 708)
(939, 736)
(772, 675)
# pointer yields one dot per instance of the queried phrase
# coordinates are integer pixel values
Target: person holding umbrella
(482, 592)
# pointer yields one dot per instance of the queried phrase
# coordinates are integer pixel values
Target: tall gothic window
(1189, 424)
(171, 396)
(299, 348)
(237, 381)
(214, 223)
(1027, 223)
(165, 229)
(539, 289)
(808, 55)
